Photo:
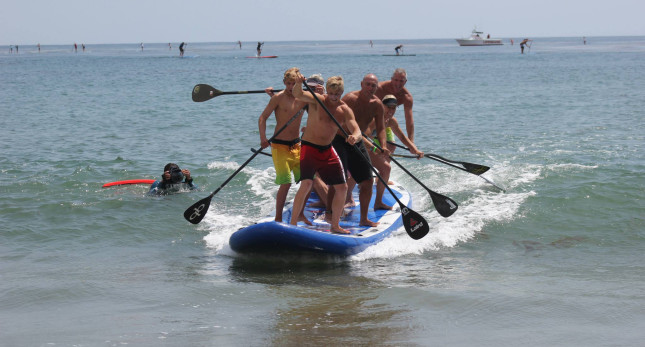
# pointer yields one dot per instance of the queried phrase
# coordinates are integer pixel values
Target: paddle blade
(443, 204)
(415, 225)
(204, 92)
(475, 169)
(197, 211)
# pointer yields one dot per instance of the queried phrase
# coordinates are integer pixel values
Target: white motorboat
(476, 40)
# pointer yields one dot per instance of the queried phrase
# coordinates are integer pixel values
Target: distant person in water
(398, 48)
(172, 180)
(39, 48)
(75, 47)
(239, 43)
(181, 49)
(524, 42)
(259, 48)
(83, 46)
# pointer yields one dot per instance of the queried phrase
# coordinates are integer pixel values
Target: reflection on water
(322, 303)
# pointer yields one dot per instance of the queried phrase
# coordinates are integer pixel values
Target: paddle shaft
(247, 92)
(476, 169)
(260, 152)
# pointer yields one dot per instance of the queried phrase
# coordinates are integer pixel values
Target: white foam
(483, 205)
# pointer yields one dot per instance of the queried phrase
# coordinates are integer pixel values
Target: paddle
(443, 204)
(415, 225)
(260, 152)
(197, 211)
(474, 169)
(204, 92)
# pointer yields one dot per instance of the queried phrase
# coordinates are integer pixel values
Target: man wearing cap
(382, 164)
(396, 87)
(285, 147)
(317, 155)
(367, 108)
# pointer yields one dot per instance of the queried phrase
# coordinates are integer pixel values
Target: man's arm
(299, 93)
(409, 119)
(350, 123)
(379, 122)
(262, 121)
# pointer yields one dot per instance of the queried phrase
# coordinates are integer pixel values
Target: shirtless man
(285, 148)
(396, 87)
(355, 159)
(318, 155)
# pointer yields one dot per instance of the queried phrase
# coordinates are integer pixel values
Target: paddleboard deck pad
(270, 237)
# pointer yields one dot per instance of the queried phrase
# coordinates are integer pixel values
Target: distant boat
(476, 40)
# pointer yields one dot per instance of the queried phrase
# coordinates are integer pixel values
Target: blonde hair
(335, 84)
(291, 74)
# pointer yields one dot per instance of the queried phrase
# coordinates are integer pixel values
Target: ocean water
(556, 259)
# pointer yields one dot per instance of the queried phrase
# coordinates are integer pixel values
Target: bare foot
(339, 230)
(382, 206)
(368, 223)
(328, 216)
(350, 203)
(304, 219)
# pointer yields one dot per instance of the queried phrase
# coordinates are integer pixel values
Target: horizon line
(373, 40)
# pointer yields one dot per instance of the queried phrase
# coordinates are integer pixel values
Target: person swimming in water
(172, 180)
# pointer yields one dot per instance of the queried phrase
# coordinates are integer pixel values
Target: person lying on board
(381, 163)
(172, 180)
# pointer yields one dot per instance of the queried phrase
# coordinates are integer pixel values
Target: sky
(27, 22)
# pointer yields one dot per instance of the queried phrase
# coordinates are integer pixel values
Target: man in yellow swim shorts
(285, 148)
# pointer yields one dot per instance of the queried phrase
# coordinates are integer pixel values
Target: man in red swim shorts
(316, 153)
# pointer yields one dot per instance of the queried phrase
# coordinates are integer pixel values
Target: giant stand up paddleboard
(264, 56)
(268, 236)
